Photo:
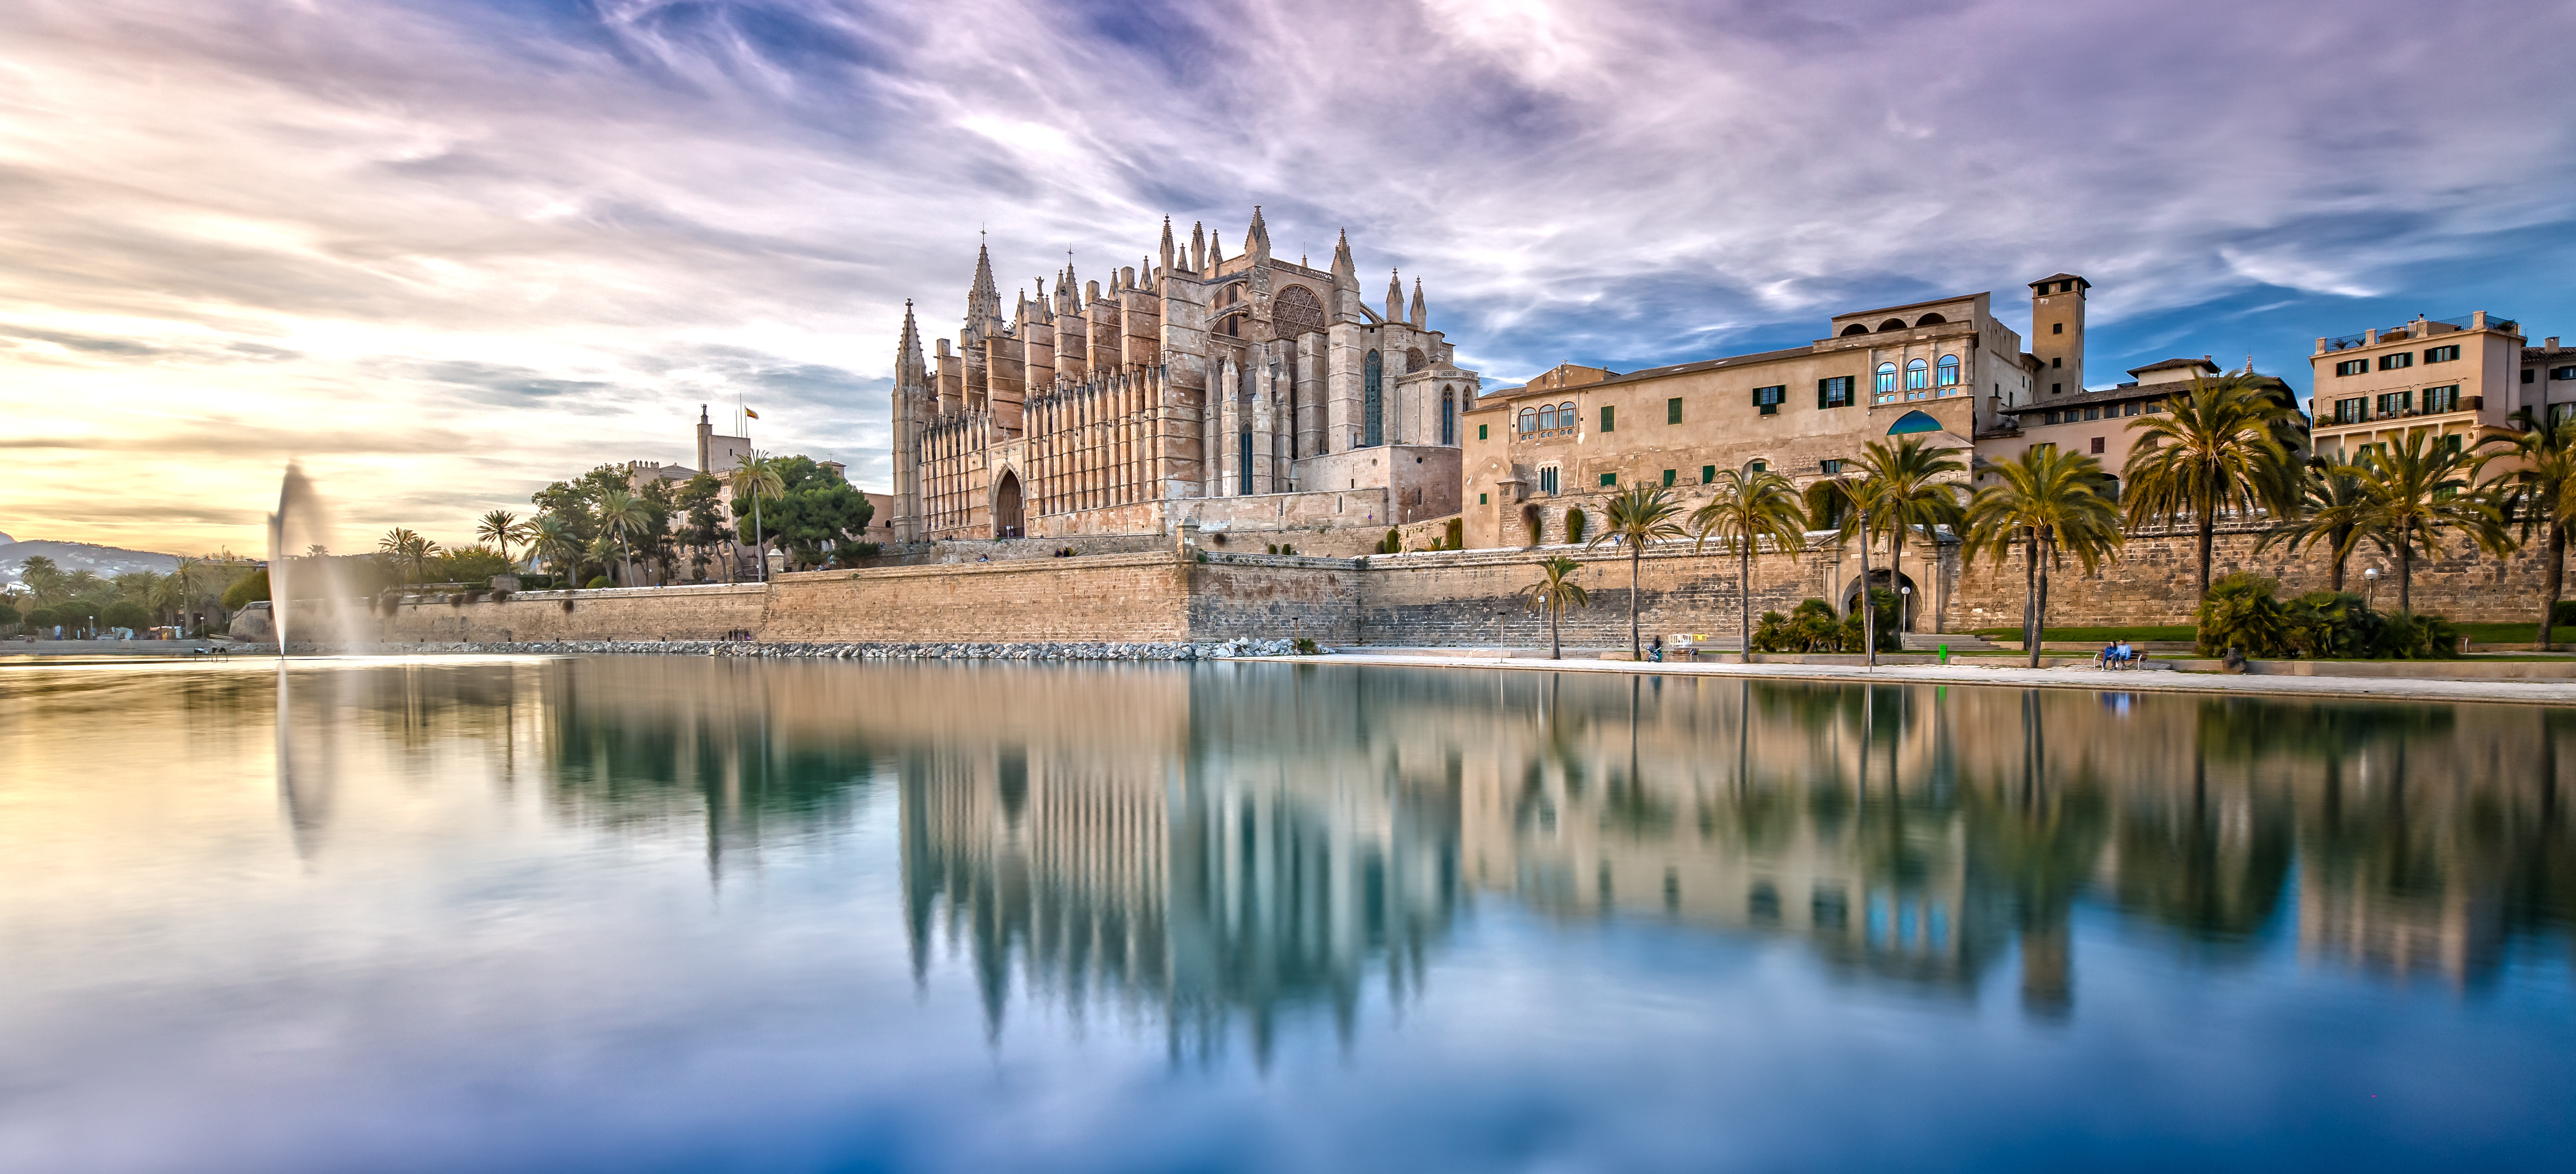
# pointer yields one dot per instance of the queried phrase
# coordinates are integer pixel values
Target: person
(2108, 658)
(1655, 650)
(2128, 656)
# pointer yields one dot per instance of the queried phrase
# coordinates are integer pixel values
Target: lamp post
(1904, 607)
(2370, 587)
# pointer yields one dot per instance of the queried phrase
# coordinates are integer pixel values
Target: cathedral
(1240, 392)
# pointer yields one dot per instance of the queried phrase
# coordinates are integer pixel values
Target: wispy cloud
(464, 248)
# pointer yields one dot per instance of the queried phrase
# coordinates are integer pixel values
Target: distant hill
(103, 561)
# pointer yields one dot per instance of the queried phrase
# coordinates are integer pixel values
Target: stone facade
(1129, 407)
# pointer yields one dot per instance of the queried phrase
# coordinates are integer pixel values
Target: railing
(2347, 342)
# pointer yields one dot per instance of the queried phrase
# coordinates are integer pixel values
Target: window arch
(1930, 320)
(1547, 417)
(1529, 420)
(1914, 421)
(1565, 415)
(1918, 375)
(1448, 415)
(1886, 381)
(1295, 311)
(1854, 328)
(1373, 401)
(1414, 360)
(1949, 375)
(1892, 324)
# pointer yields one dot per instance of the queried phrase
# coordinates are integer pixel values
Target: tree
(2537, 495)
(2417, 487)
(560, 544)
(45, 580)
(500, 528)
(2223, 447)
(704, 528)
(1637, 517)
(2329, 514)
(1555, 591)
(2051, 504)
(1905, 487)
(407, 553)
(1749, 506)
(125, 613)
(622, 515)
(755, 478)
(812, 508)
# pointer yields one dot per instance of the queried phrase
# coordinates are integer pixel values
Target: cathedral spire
(910, 371)
(1420, 319)
(1216, 253)
(1394, 295)
(1198, 246)
(1345, 274)
(985, 300)
(1167, 244)
(1256, 241)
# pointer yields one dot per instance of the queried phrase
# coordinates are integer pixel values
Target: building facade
(2453, 377)
(1227, 391)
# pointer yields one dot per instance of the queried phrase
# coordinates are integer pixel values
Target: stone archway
(1910, 603)
(1009, 520)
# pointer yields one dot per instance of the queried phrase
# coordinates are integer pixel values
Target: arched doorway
(1909, 597)
(1007, 519)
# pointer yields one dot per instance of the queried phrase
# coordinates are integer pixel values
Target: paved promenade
(2143, 681)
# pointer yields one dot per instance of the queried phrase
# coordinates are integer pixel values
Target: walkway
(2381, 688)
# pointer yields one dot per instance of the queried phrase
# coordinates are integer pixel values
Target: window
(2092, 413)
(1609, 419)
(1673, 410)
(1448, 415)
(2562, 413)
(2352, 366)
(1949, 371)
(1886, 391)
(1547, 479)
(2049, 417)
(2351, 411)
(2527, 373)
(1670, 475)
(1769, 399)
(2442, 354)
(2155, 407)
(2562, 372)
(1834, 393)
(1707, 473)
(2097, 446)
(1536, 420)
(2398, 361)
(2128, 409)
(2057, 328)
(1760, 466)
(1480, 432)
(1480, 499)
(1609, 479)
(1565, 417)
(2395, 402)
(2442, 399)
(1918, 375)
(1373, 401)
(1829, 467)
(2055, 388)
(2449, 443)
(2057, 361)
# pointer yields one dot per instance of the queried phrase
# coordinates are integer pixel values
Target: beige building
(1944, 368)
(1231, 392)
(2454, 377)
(2100, 423)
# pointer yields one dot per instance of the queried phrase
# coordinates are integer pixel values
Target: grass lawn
(2100, 635)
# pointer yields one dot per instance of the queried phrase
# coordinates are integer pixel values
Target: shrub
(1393, 543)
(2328, 624)
(1890, 637)
(1203, 556)
(1576, 523)
(42, 617)
(2563, 614)
(1305, 646)
(596, 583)
(252, 588)
(2407, 636)
(125, 613)
(1457, 539)
(2241, 612)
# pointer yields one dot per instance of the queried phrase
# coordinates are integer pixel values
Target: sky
(443, 252)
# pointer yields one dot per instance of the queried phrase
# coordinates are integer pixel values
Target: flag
(748, 412)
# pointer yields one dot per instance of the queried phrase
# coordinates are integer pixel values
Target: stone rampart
(708, 612)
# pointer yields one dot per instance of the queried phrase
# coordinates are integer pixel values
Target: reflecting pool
(645, 913)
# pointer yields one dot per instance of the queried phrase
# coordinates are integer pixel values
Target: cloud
(487, 244)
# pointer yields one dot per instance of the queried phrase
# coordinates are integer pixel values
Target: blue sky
(444, 252)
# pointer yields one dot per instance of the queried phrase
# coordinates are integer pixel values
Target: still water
(671, 914)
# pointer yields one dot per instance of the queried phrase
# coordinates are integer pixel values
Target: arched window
(1892, 324)
(1930, 320)
(1917, 375)
(1448, 416)
(1415, 361)
(1295, 311)
(1565, 416)
(1373, 401)
(1854, 328)
(1949, 371)
(1529, 421)
(1886, 381)
(1547, 418)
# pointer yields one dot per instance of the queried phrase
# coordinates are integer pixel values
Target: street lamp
(2370, 581)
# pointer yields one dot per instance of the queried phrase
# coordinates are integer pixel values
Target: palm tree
(2222, 447)
(1905, 489)
(2417, 487)
(405, 549)
(621, 514)
(554, 540)
(2538, 494)
(2053, 504)
(756, 478)
(1637, 516)
(500, 528)
(1555, 591)
(2329, 514)
(1750, 505)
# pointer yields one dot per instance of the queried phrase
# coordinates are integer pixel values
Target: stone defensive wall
(1430, 598)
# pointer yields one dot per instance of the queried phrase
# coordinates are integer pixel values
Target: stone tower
(2057, 333)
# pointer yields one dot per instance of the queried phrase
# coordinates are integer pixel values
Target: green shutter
(1609, 478)
(1609, 420)
(1480, 431)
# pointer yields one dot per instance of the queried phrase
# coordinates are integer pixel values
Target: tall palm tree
(756, 478)
(1638, 517)
(2329, 514)
(1907, 487)
(1748, 506)
(1555, 591)
(500, 528)
(2052, 504)
(2223, 447)
(408, 553)
(2417, 487)
(2538, 495)
(555, 541)
(622, 514)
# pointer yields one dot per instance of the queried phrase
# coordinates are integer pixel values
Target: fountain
(314, 588)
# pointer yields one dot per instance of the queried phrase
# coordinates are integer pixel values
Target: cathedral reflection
(1218, 849)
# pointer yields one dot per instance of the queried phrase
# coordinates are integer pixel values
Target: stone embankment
(1095, 650)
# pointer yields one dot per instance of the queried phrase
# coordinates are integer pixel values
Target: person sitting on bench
(2125, 657)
